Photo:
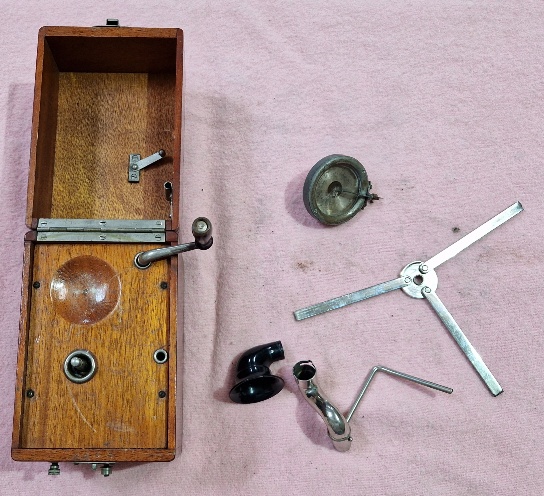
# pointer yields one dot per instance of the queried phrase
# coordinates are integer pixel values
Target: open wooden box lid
(102, 94)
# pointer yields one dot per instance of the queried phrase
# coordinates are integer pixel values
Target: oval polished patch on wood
(85, 290)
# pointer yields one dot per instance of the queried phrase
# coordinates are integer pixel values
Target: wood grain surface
(101, 95)
(102, 119)
(93, 455)
(120, 406)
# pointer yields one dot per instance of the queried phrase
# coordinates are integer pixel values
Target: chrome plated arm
(202, 231)
(474, 236)
(379, 368)
(469, 350)
(348, 299)
(338, 426)
(145, 258)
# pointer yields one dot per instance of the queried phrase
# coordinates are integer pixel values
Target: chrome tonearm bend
(419, 280)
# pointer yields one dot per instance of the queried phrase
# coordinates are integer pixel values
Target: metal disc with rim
(335, 189)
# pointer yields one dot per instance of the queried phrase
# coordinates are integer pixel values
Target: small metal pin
(106, 470)
(423, 268)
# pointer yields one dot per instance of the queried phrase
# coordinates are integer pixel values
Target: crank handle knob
(202, 231)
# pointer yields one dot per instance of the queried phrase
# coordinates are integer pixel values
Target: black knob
(254, 381)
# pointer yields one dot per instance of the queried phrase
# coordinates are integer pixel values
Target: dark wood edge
(101, 32)
(178, 122)
(23, 338)
(92, 455)
(35, 124)
(172, 347)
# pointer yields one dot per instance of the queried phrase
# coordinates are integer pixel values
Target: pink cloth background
(443, 104)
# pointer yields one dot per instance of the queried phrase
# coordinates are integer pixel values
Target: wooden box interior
(103, 95)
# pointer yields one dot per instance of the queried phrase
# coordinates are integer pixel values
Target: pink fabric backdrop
(442, 102)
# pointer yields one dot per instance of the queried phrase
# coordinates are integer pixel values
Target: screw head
(30, 393)
(164, 285)
(162, 394)
(407, 279)
(427, 289)
(201, 226)
(36, 285)
(423, 268)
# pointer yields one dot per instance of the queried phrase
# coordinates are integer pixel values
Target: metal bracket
(419, 280)
(136, 164)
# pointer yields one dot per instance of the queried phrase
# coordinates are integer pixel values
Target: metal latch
(102, 231)
(136, 164)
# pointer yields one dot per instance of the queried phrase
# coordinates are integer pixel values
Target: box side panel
(178, 131)
(173, 326)
(93, 455)
(113, 50)
(44, 124)
(23, 346)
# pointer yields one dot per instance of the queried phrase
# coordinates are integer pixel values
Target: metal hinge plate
(101, 231)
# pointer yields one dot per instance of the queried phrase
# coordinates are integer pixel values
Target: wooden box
(101, 95)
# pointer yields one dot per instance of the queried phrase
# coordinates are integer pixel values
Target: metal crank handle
(396, 373)
(348, 299)
(473, 236)
(454, 329)
(202, 231)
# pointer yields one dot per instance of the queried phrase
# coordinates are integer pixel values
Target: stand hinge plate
(101, 231)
